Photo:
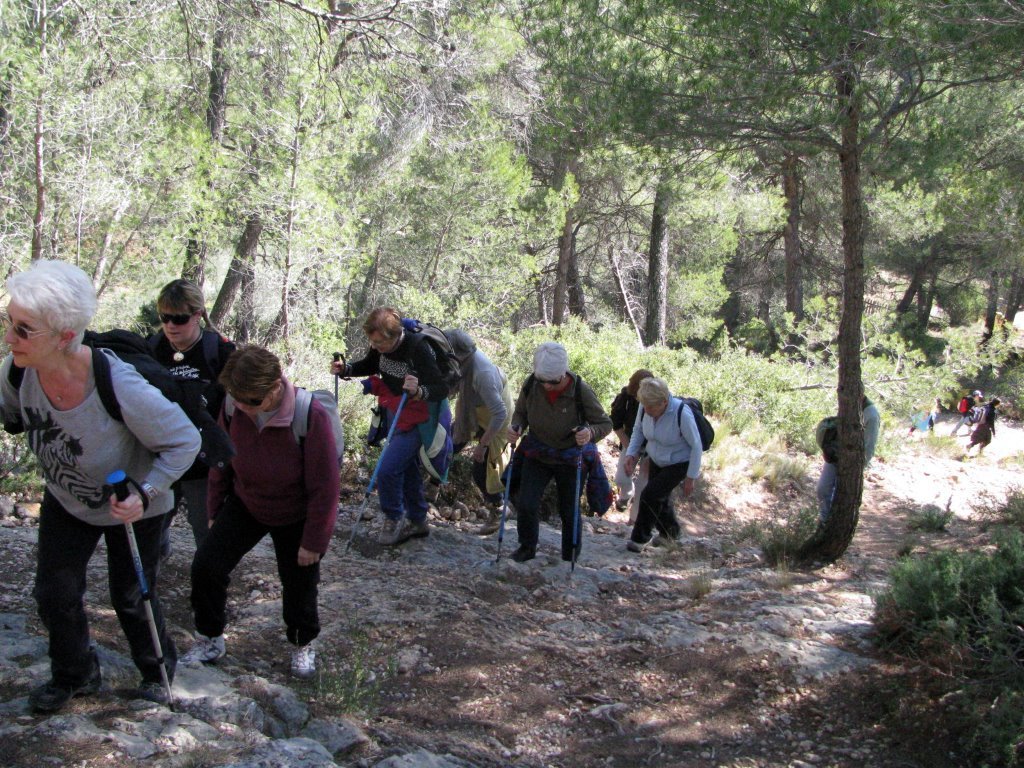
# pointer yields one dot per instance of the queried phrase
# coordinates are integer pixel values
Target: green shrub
(964, 612)
(780, 538)
(994, 511)
(930, 518)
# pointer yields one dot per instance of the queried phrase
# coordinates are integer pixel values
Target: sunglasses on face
(174, 319)
(252, 402)
(552, 382)
(20, 330)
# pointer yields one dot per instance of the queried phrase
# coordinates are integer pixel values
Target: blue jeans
(234, 533)
(65, 546)
(399, 483)
(534, 479)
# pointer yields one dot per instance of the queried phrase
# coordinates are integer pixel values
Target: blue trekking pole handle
(119, 481)
(376, 469)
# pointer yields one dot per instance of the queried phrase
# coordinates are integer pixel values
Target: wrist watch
(149, 490)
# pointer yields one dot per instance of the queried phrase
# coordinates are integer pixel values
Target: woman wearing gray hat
(565, 419)
(483, 409)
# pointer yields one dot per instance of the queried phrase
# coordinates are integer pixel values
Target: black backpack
(216, 449)
(704, 428)
(447, 363)
(826, 435)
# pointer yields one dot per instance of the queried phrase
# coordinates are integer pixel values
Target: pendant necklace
(179, 354)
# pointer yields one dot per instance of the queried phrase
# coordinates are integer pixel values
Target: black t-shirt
(194, 365)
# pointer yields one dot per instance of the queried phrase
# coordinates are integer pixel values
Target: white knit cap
(550, 361)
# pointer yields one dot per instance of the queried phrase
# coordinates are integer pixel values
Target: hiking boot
(415, 530)
(493, 522)
(524, 553)
(391, 534)
(205, 650)
(622, 502)
(154, 692)
(52, 696)
(636, 546)
(304, 661)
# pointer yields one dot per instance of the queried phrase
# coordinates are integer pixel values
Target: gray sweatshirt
(79, 447)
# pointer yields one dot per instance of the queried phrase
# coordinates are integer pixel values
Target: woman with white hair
(565, 421)
(666, 428)
(48, 386)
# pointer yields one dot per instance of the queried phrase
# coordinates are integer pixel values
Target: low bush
(963, 612)
(780, 538)
(930, 518)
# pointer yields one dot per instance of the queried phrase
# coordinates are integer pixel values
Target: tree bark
(991, 306)
(574, 284)
(40, 169)
(914, 289)
(241, 263)
(833, 538)
(657, 267)
(624, 298)
(565, 256)
(1015, 297)
(791, 238)
(194, 268)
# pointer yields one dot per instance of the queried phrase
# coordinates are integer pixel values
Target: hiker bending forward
(666, 428)
(50, 389)
(400, 360)
(565, 420)
(826, 490)
(275, 485)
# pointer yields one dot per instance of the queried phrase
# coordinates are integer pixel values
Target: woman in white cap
(564, 418)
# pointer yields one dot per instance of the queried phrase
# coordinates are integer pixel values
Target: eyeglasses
(252, 402)
(552, 382)
(174, 319)
(20, 330)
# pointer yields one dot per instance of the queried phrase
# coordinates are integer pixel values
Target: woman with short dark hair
(276, 486)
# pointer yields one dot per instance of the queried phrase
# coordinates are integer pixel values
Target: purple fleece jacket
(270, 478)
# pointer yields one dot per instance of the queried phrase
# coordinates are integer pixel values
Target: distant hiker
(964, 407)
(190, 351)
(275, 485)
(483, 411)
(666, 428)
(985, 429)
(564, 420)
(401, 361)
(78, 443)
(829, 443)
(925, 421)
(625, 407)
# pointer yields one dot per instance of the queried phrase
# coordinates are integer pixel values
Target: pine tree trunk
(565, 251)
(833, 538)
(1015, 297)
(657, 268)
(791, 238)
(241, 264)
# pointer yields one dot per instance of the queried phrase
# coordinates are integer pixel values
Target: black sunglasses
(174, 319)
(549, 381)
(250, 401)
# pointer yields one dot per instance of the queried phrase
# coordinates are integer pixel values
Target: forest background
(764, 202)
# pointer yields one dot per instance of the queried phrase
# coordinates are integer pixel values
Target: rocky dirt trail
(435, 655)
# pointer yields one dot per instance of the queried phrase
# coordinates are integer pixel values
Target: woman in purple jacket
(275, 485)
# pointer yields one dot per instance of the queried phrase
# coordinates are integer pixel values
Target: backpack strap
(105, 385)
(300, 418)
(211, 350)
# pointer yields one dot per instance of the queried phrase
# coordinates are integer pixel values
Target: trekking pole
(576, 512)
(119, 480)
(373, 477)
(337, 377)
(504, 502)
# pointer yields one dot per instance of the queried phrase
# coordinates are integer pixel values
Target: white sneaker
(304, 661)
(391, 533)
(205, 650)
